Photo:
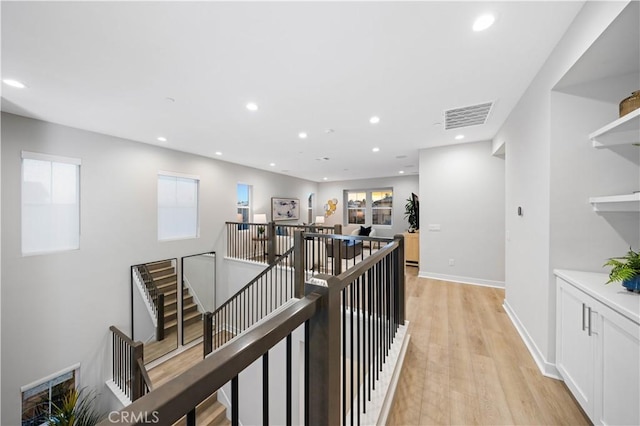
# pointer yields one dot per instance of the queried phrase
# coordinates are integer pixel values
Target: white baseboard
(461, 280)
(547, 369)
(382, 397)
(120, 396)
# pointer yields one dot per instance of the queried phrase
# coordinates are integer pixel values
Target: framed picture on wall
(285, 209)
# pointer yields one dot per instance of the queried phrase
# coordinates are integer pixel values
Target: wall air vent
(467, 116)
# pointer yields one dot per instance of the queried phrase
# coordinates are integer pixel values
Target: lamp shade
(260, 218)
(319, 219)
(239, 217)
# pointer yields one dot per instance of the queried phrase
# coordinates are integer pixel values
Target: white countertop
(613, 295)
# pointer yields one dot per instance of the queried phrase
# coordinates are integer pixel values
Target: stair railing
(265, 242)
(156, 297)
(356, 314)
(260, 297)
(129, 372)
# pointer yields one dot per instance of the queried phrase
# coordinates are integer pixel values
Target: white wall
(402, 187)
(462, 191)
(530, 294)
(581, 238)
(199, 272)
(57, 308)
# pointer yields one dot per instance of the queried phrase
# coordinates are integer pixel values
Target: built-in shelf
(617, 203)
(625, 130)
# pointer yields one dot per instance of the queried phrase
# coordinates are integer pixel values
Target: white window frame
(75, 369)
(368, 208)
(53, 159)
(167, 174)
(250, 202)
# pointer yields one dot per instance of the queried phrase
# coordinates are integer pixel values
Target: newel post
(299, 254)
(322, 384)
(398, 267)
(207, 332)
(160, 322)
(271, 243)
(137, 387)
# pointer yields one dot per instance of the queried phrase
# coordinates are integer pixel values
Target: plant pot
(630, 104)
(632, 284)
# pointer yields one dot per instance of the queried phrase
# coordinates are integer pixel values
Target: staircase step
(211, 412)
(165, 287)
(189, 307)
(187, 300)
(163, 264)
(191, 317)
(165, 279)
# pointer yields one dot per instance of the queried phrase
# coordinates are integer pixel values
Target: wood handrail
(145, 375)
(364, 265)
(123, 336)
(177, 397)
(253, 281)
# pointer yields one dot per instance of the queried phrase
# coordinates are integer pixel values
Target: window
(381, 207)
(177, 206)
(244, 202)
(380, 211)
(50, 203)
(356, 207)
(39, 399)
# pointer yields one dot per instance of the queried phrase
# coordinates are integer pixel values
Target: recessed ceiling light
(14, 83)
(401, 172)
(162, 139)
(218, 153)
(374, 120)
(252, 106)
(272, 164)
(375, 149)
(302, 135)
(325, 178)
(483, 22)
(459, 137)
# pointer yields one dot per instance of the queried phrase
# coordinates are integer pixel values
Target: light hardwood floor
(466, 364)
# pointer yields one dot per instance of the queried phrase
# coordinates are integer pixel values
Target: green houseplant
(626, 269)
(411, 213)
(77, 408)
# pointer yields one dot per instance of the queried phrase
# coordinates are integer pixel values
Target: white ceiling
(109, 67)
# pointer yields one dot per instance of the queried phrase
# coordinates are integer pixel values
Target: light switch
(434, 227)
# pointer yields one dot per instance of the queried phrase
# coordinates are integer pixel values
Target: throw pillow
(281, 230)
(365, 231)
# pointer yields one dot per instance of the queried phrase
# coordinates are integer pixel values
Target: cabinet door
(618, 369)
(575, 348)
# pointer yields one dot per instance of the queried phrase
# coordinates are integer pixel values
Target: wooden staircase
(210, 412)
(165, 278)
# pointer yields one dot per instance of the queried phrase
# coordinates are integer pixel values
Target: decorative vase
(632, 284)
(630, 104)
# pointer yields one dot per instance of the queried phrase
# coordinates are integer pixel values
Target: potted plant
(77, 408)
(626, 269)
(411, 213)
(260, 231)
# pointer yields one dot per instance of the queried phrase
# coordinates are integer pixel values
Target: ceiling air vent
(467, 116)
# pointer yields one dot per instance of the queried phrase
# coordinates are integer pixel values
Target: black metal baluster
(289, 378)
(344, 356)
(351, 291)
(265, 389)
(306, 373)
(234, 402)
(191, 417)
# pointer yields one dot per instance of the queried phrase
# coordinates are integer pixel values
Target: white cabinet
(598, 346)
